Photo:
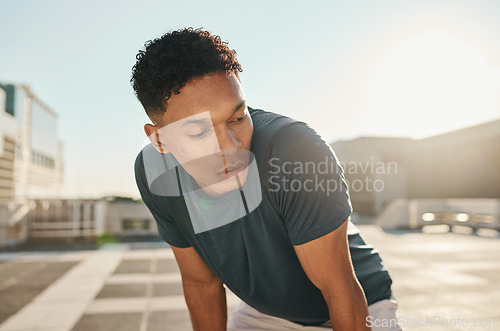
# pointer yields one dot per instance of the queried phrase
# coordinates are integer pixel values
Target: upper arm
(327, 262)
(194, 270)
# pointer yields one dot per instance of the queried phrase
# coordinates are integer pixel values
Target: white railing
(54, 218)
(417, 213)
(72, 218)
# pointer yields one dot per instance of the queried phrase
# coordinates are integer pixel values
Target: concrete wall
(4, 225)
(460, 164)
(7, 169)
(456, 169)
(375, 171)
(135, 215)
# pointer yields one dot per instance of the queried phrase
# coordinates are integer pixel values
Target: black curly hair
(167, 63)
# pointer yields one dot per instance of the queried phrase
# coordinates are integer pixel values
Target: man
(250, 199)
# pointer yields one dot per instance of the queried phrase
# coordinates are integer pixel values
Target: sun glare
(430, 84)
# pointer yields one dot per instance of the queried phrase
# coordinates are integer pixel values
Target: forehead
(216, 93)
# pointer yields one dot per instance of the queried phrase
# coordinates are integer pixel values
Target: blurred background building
(30, 149)
(31, 178)
(462, 164)
(30, 159)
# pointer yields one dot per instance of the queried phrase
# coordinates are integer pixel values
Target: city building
(30, 159)
(462, 164)
(30, 149)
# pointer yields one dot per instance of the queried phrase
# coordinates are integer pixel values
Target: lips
(232, 169)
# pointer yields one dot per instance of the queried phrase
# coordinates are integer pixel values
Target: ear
(153, 135)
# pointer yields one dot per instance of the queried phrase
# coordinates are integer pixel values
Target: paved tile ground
(441, 281)
(22, 281)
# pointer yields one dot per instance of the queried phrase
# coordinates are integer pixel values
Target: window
(135, 224)
(9, 98)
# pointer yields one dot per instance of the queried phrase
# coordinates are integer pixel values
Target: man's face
(208, 128)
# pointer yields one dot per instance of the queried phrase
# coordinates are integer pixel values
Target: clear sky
(348, 68)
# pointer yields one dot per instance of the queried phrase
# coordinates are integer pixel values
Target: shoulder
(140, 176)
(268, 127)
(139, 163)
(274, 127)
(283, 135)
(280, 137)
(268, 123)
(155, 173)
(139, 167)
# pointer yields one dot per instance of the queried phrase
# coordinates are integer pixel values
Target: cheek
(186, 149)
(246, 135)
(189, 152)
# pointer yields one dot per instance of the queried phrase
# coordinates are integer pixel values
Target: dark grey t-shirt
(302, 196)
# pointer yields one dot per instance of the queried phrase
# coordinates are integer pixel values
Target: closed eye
(198, 135)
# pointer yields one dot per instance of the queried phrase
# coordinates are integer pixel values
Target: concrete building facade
(459, 164)
(30, 149)
(30, 159)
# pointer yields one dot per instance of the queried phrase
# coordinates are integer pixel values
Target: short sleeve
(169, 231)
(167, 228)
(307, 183)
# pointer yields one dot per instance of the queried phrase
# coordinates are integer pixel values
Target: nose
(228, 141)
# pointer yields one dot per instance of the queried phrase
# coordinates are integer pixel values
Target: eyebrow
(204, 121)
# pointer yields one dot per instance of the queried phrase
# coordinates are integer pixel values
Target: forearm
(348, 312)
(207, 306)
